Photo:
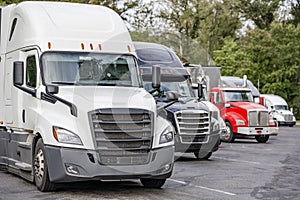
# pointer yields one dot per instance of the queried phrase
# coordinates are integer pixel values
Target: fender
(231, 118)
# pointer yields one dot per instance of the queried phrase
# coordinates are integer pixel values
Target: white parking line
(181, 182)
(206, 188)
(236, 160)
(215, 190)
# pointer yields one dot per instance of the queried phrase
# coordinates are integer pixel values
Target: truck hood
(284, 112)
(88, 98)
(247, 105)
(185, 104)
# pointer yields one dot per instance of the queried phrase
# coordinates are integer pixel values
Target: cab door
(216, 98)
(31, 84)
(22, 102)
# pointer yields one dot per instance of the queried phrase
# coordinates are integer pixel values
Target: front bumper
(211, 145)
(286, 123)
(85, 162)
(253, 131)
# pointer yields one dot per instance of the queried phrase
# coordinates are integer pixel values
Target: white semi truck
(72, 103)
(278, 109)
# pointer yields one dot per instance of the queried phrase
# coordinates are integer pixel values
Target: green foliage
(270, 57)
(193, 28)
(295, 12)
(261, 12)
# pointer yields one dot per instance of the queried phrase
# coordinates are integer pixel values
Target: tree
(194, 28)
(271, 57)
(261, 12)
(295, 12)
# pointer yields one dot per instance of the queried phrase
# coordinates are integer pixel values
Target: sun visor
(168, 74)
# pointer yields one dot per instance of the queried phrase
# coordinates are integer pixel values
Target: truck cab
(279, 110)
(72, 103)
(196, 122)
(243, 117)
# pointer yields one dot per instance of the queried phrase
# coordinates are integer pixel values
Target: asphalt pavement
(244, 169)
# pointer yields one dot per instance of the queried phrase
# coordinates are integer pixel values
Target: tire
(40, 169)
(152, 183)
(262, 139)
(229, 135)
(291, 125)
(202, 156)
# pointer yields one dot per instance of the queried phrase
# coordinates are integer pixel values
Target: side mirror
(172, 96)
(51, 89)
(156, 77)
(292, 110)
(200, 90)
(18, 73)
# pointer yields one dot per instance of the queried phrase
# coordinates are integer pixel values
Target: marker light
(128, 47)
(82, 46)
(91, 46)
(49, 45)
(100, 47)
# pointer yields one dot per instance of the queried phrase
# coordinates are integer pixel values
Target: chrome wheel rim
(39, 165)
(227, 133)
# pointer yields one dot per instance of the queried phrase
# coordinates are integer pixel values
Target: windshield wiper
(106, 84)
(63, 83)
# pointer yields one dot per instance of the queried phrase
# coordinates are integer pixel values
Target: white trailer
(72, 105)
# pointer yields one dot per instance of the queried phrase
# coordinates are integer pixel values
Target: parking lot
(240, 170)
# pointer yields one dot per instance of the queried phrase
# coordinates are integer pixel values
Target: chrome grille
(193, 126)
(122, 136)
(288, 118)
(258, 118)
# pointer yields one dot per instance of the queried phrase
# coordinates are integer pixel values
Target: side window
(31, 72)
(215, 98)
(218, 98)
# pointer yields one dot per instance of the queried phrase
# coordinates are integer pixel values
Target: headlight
(167, 135)
(215, 115)
(214, 119)
(239, 122)
(65, 136)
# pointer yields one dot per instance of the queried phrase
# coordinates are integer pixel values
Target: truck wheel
(41, 175)
(152, 183)
(228, 136)
(202, 156)
(262, 139)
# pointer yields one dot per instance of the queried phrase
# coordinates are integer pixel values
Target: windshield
(183, 88)
(281, 107)
(238, 96)
(90, 69)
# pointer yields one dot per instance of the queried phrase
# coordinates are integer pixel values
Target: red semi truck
(235, 99)
(243, 117)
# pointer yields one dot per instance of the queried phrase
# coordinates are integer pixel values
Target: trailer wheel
(262, 139)
(202, 156)
(41, 175)
(228, 135)
(152, 183)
